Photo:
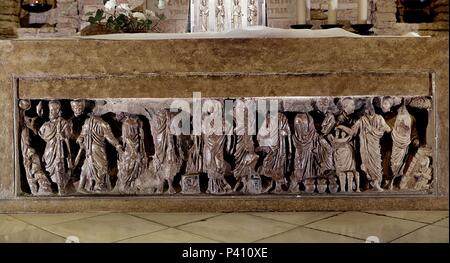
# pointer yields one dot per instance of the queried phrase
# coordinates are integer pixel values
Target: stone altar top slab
(253, 32)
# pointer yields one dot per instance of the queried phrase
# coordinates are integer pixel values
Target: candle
(362, 12)
(302, 11)
(332, 12)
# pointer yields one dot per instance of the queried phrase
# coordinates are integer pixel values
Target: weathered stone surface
(263, 67)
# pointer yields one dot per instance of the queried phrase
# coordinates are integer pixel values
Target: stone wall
(9, 18)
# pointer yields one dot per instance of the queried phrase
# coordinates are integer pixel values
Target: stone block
(70, 22)
(67, 9)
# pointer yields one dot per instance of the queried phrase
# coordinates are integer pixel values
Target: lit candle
(302, 11)
(362, 12)
(332, 12)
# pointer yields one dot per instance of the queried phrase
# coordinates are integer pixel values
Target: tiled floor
(300, 227)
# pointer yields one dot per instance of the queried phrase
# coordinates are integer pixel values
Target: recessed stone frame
(426, 94)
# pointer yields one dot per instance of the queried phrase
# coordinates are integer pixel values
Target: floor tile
(105, 228)
(296, 218)
(428, 234)
(31, 235)
(306, 235)
(175, 219)
(443, 223)
(237, 227)
(10, 224)
(420, 216)
(362, 225)
(51, 219)
(170, 235)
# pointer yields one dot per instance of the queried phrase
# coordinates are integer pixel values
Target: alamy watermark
(224, 117)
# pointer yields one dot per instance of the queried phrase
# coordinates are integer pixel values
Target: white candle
(332, 12)
(302, 11)
(362, 12)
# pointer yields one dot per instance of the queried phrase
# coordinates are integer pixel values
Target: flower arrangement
(119, 18)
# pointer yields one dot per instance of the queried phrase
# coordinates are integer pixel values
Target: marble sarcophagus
(224, 124)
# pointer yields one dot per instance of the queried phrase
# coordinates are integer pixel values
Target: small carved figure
(57, 155)
(133, 161)
(92, 140)
(305, 161)
(276, 144)
(220, 16)
(420, 172)
(236, 22)
(370, 128)
(204, 14)
(252, 13)
(37, 180)
(166, 159)
(344, 159)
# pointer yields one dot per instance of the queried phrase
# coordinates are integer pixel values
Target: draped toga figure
(401, 139)
(244, 155)
(214, 143)
(133, 162)
(57, 155)
(276, 144)
(305, 161)
(167, 161)
(371, 127)
(92, 140)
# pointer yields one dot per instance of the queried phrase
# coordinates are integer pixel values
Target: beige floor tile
(443, 222)
(237, 227)
(296, 218)
(363, 225)
(10, 224)
(170, 235)
(105, 228)
(306, 235)
(175, 219)
(420, 216)
(31, 235)
(51, 219)
(428, 234)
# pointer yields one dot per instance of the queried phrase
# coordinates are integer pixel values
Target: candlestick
(332, 11)
(362, 11)
(302, 11)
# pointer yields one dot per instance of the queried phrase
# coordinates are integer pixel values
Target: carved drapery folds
(323, 145)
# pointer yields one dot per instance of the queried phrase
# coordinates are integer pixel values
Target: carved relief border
(18, 79)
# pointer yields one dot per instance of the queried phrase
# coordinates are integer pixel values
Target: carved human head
(348, 105)
(203, 2)
(25, 104)
(387, 103)
(323, 104)
(78, 107)
(54, 109)
(369, 109)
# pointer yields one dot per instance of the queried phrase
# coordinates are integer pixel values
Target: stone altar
(375, 68)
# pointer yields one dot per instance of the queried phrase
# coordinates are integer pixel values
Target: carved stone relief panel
(225, 146)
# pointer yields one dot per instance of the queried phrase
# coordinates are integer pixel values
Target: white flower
(110, 5)
(124, 9)
(149, 13)
(139, 15)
